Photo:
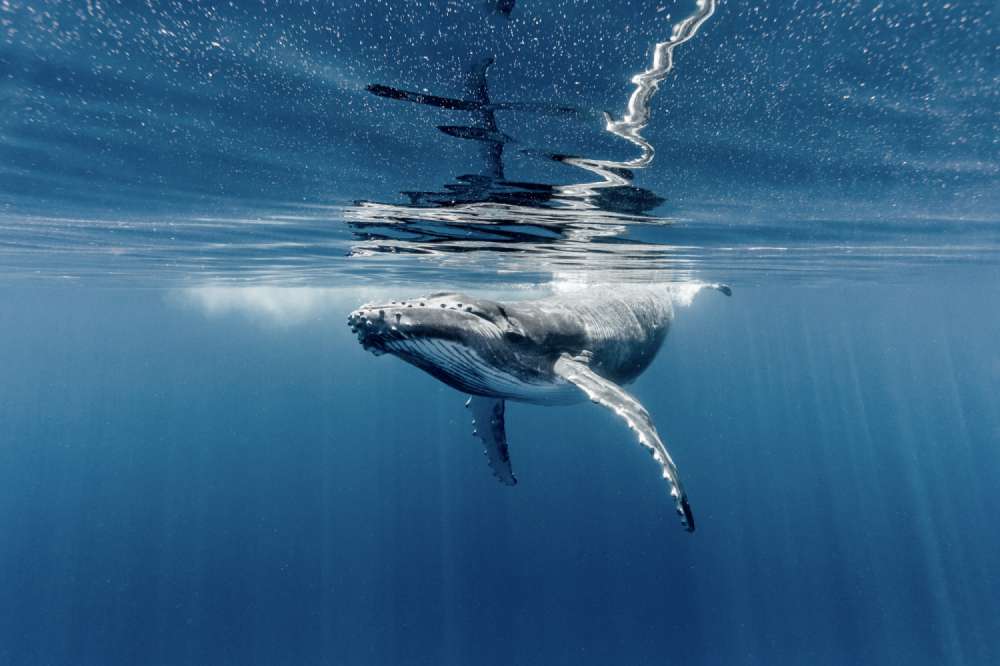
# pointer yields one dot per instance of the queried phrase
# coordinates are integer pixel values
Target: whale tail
(683, 294)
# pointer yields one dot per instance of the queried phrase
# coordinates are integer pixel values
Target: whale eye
(516, 337)
(482, 314)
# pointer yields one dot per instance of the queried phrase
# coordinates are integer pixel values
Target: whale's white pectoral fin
(615, 398)
(488, 424)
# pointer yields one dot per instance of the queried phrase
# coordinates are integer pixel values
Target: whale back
(620, 331)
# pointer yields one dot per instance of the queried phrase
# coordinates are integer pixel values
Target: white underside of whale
(481, 378)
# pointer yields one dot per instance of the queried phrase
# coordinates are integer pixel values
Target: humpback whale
(558, 350)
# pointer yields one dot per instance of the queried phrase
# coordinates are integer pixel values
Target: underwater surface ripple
(144, 138)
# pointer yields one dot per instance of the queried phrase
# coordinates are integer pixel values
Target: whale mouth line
(376, 330)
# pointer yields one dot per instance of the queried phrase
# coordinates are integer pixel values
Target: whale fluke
(615, 398)
(488, 421)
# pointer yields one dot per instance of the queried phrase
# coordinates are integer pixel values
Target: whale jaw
(456, 340)
(378, 325)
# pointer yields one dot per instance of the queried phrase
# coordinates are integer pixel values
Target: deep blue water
(199, 464)
(189, 486)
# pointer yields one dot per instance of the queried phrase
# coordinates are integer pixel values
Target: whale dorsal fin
(615, 398)
(488, 423)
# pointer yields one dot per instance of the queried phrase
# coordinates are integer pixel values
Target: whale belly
(462, 368)
(554, 393)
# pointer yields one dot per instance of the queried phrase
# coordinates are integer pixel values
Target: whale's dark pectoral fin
(488, 424)
(615, 398)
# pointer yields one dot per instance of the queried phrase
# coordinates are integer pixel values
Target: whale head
(442, 316)
(469, 343)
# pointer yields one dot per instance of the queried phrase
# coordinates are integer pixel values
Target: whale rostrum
(551, 351)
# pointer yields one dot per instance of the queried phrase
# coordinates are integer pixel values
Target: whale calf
(558, 350)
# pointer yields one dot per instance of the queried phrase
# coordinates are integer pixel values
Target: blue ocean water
(199, 464)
